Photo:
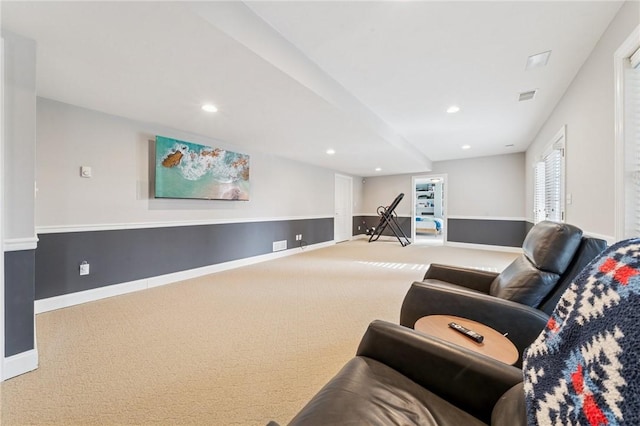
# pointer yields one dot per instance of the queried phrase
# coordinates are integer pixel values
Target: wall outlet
(84, 268)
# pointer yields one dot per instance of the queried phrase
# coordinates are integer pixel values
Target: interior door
(343, 219)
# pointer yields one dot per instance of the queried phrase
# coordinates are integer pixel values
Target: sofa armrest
(474, 279)
(468, 380)
(522, 323)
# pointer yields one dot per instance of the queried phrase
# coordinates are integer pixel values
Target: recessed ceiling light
(331, 151)
(538, 60)
(509, 145)
(465, 146)
(453, 109)
(209, 108)
(378, 169)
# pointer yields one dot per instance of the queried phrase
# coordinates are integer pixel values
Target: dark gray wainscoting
(509, 233)
(118, 256)
(371, 221)
(358, 222)
(19, 269)
(528, 226)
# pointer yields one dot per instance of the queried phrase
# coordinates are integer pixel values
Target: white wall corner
(18, 364)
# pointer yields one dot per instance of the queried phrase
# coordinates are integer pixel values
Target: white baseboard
(19, 364)
(485, 247)
(452, 244)
(77, 298)
(67, 300)
(381, 238)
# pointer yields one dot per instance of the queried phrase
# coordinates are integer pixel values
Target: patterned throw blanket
(584, 368)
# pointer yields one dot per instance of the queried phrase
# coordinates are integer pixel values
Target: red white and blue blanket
(584, 368)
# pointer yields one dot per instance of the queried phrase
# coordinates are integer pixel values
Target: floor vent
(279, 245)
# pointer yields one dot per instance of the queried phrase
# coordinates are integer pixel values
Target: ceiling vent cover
(525, 96)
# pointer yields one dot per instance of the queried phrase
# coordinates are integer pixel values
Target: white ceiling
(371, 80)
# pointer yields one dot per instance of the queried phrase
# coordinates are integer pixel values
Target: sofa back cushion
(522, 282)
(550, 246)
(547, 252)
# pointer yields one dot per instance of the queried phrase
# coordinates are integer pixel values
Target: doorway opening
(429, 217)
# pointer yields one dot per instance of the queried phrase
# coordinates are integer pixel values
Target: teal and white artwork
(189, 170)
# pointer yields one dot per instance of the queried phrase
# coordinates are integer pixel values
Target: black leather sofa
(517, 301)
(401, 377)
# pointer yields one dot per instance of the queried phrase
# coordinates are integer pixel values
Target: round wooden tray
(494, 344)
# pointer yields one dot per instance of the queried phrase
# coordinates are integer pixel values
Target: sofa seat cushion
(367, 392)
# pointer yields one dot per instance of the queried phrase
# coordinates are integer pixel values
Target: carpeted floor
(240, 347)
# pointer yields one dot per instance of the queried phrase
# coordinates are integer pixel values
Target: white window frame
(621, 58)
(558, 145)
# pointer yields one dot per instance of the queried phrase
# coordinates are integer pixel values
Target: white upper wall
(485, 187)
(19, 137)
(119, 152)
(358, 195)
(382, 190)
(587, 109)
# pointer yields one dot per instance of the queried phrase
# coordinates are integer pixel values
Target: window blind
(538, 201)
(632, 146)
(553, 185)
(548, 202)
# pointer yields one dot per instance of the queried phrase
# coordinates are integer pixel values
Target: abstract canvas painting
(189, 170)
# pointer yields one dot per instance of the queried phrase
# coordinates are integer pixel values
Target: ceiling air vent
(525, 96)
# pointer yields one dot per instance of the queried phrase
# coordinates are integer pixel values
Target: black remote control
(469, 333)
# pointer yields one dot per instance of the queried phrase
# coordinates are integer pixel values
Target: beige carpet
(240, 347)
